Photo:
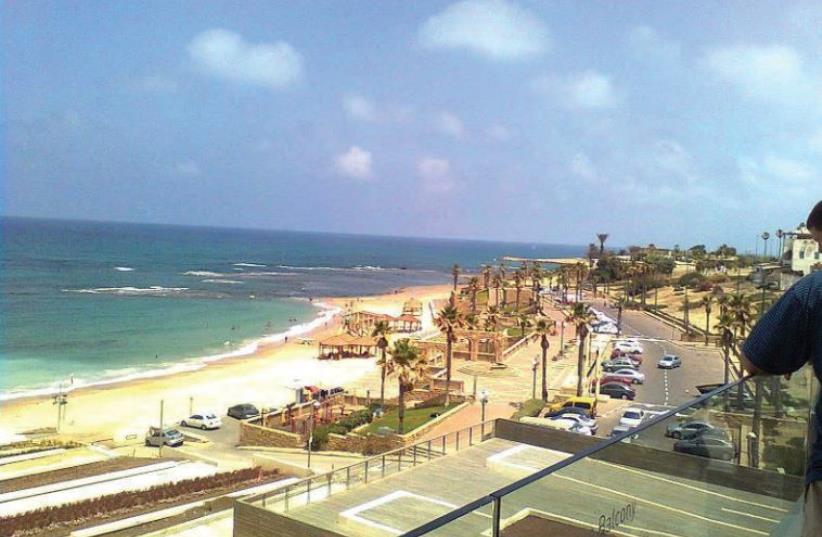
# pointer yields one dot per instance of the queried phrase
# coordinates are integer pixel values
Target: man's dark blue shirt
(787, 337)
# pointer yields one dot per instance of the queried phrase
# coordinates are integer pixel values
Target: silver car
(167, 436)
(632, 375)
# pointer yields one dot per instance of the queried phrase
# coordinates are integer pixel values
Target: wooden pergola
(347, 346)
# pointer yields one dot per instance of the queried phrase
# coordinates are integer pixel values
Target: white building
(800, 255)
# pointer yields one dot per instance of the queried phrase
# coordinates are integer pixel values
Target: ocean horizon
(89, 303)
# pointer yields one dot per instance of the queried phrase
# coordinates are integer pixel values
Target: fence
(378, 467)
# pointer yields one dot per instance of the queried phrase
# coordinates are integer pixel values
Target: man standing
(787, 337)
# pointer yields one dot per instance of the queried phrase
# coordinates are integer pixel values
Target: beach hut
(412, 306)
(406, 323)
(347, 346)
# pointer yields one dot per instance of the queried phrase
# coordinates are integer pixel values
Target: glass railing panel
(730, 465)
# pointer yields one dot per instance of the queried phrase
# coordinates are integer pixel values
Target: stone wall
(255, 435)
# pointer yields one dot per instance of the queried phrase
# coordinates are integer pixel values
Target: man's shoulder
(809, 289)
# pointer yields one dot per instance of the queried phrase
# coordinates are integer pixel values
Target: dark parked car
(618, 390)
(707, 446)
(688, 429)
(243, 411)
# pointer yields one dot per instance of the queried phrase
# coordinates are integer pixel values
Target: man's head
(815, 223)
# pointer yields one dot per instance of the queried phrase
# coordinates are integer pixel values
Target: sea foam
(160, 370)
(124, 269)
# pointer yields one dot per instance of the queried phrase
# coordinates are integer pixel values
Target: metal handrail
(496, 496)
(482, 426)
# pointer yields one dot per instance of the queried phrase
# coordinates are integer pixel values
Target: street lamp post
(562, 337)
(534, 365)
(483, 401)
(314, 408)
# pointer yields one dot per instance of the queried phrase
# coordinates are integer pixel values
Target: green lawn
(414, 417)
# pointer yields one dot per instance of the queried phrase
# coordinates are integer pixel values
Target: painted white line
(750, 515)
(661, 506)
(354, 512)
(691, 487)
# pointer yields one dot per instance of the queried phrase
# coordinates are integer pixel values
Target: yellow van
(588, 404)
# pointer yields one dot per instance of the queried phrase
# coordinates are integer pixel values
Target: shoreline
(265, 376)
(246, 349)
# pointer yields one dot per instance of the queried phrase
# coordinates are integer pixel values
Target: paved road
(663, 389)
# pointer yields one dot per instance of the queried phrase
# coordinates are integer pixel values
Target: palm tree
(707, 302)
(381, 331)
(455, 272)
(602, 237)
(498, 284)
(518, 277)
(492, 318)
(471, 321)
(486, 275)
(473, 288)
(544, 328)
(409, 366)
(524, 321)
(581, 318)
(741, 307)
(448, 320)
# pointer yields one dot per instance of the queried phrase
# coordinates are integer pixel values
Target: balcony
(741, 476)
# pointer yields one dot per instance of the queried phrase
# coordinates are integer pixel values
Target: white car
(584, 421)
(632, 417)
(606, 328)
(629, 346)
(202, 420)
(630, 374)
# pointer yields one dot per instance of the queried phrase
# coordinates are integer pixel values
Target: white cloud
(646, 44)
(225, 54)
(450, 124)
(773, 172)
(668, 159)
(775, 72)
(496, 29)
(587, 89)
(582, 167)
(499, 133)
(360, 108)
(436, 175)
(187, 168)
(354, 163)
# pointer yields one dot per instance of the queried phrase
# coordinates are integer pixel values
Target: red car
(606, 379)
(636, 358)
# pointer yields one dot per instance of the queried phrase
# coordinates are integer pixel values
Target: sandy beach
(265, 378)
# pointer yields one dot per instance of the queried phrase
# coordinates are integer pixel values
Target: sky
(664, 122)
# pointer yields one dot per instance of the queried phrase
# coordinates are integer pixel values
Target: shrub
(530, 408)
(718, 278)
(691, 279)
(320, 437)
(704, 286)
(336, 428)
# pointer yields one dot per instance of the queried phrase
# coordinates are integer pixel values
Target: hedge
(39, 520)
(530, 408)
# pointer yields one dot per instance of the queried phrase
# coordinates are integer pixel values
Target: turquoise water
(99, 302)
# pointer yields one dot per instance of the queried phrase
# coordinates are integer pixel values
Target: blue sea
(89, 303)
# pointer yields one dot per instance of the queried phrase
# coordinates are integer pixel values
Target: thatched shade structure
(347, 346)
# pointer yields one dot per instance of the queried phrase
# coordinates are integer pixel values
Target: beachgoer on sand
(787, 337)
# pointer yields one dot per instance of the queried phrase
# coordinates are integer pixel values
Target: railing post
(471, 436)
(414, 463)
(264, 496)
(347, 477)
(443, 444)
(285, 500)
(496, 517)
(366, 471)
(382, 470)
(429, 450)
(399, 461)
(330, 476)
(458, 440)
(308, 491)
